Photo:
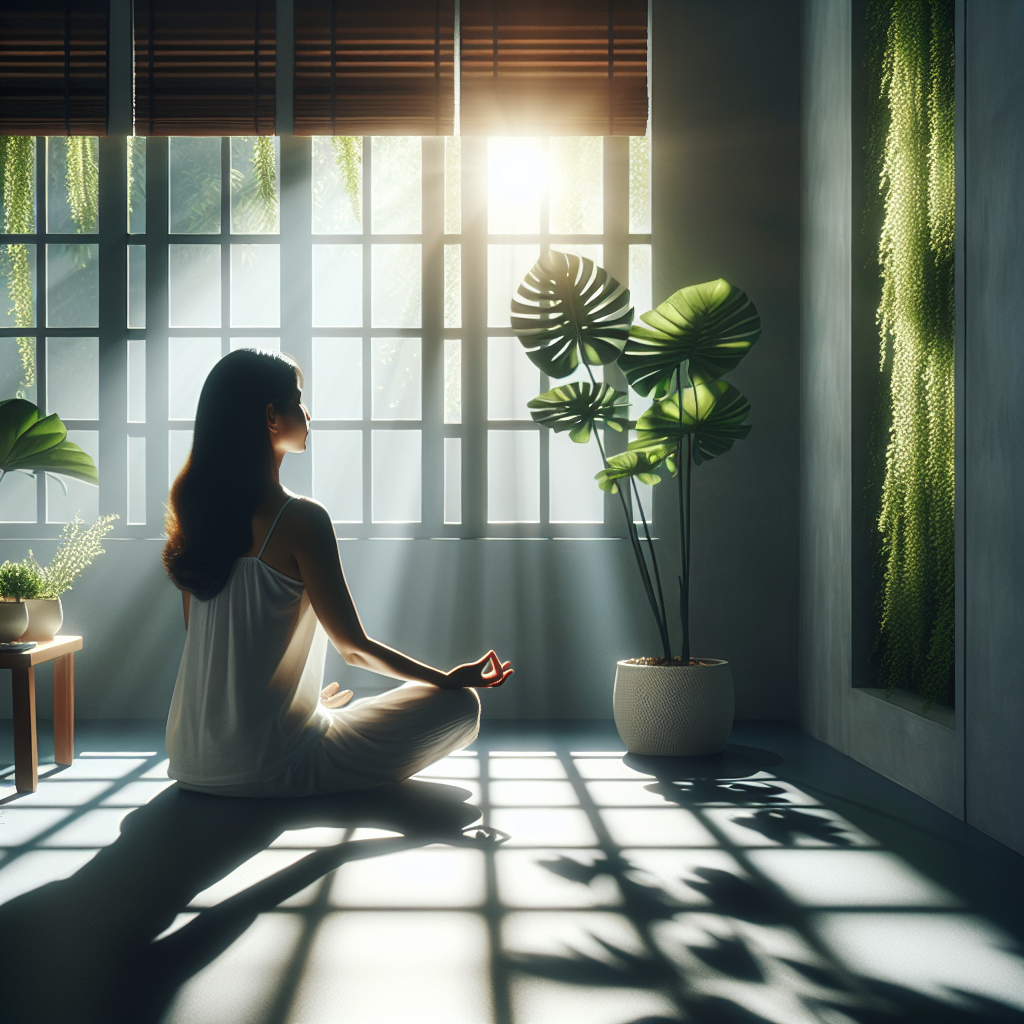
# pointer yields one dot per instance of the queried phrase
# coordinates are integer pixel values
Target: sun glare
(516, 176)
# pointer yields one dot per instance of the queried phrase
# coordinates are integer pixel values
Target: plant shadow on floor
(82, 950)
(715, 959)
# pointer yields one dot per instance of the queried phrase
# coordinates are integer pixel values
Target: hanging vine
(348, 156)
(912, 133)
(82, 178)
(264, 165)
(136, 172)
(17, 167)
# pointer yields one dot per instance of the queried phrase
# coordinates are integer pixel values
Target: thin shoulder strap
(273, 525)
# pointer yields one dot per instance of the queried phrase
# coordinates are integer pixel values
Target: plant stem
(684, 566)
(654, 557)
(645, 575)
(660, 618)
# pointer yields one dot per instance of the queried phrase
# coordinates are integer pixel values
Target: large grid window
(385, 265)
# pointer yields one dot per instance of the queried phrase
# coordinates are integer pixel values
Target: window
(385, 265)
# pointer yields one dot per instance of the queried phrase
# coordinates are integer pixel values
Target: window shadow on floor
(82, 949)
(632, 891)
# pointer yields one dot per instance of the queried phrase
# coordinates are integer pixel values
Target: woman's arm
(186, 604)
(316, 551)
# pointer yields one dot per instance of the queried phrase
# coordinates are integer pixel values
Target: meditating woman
(263, 591)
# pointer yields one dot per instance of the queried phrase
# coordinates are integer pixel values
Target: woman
(263, 590)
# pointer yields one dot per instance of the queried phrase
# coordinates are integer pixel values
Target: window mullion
(616, 262)
(432, 343)
(157, 424)
(295, 191)
(113, 349)
(367, 321)
(225, 245)
(41, 305)
(474, 345)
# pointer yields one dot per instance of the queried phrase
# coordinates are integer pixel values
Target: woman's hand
(331, 698)
(488, 671)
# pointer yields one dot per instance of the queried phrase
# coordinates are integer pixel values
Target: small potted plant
(39, 588)
(570, 312)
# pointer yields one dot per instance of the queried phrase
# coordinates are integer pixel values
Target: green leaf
(711, 326)
(67, 459)
(576, 408)
(30, 443)
(16, 416)
(713, 414)
(570, 309)
(627, 464)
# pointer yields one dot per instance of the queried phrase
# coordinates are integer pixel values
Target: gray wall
(726, 151)
(992, 476)
(970, 766)
(725, 196)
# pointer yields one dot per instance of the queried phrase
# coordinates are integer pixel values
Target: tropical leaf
(30, 443)
(629, 464)
(16, 416)
(569, 309)
(712, 413)
(711, 326)
(576, 408)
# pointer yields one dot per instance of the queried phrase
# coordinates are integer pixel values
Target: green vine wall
(911, 61)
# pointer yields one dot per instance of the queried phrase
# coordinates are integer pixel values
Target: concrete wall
(725, 198)
(902, 745)
(726, 105)
(969, 764)
(992, 477)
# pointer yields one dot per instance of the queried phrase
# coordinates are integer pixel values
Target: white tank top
(246, 702)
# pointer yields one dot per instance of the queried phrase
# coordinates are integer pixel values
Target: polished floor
(777, 882)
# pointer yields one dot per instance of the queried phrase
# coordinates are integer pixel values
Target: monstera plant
(29, 442)
(569, 312)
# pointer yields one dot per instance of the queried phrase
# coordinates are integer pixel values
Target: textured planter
(674, 710)
(45, 616)
(13, 620)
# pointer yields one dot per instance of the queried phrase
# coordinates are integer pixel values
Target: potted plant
(40, 588)
(31, 442)
(570, 312)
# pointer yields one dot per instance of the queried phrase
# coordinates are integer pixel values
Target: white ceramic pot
(674, 710)
(13, 620)
(45, 617)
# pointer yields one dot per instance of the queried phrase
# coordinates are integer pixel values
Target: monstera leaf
(628, 464)
(711, 326)
(569, 309)
(576, 407)
(712, 414)
(28, 442)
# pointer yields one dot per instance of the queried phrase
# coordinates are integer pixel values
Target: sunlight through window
(395, 967)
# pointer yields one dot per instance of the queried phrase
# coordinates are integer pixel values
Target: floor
(780, 881)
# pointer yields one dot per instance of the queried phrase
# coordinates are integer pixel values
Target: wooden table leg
(64, 709)
(26, 750)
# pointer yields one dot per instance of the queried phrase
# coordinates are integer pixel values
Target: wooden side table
(22, 664)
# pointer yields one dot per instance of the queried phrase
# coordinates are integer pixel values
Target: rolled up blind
(553, 67)
(205, 67)
(54, 67)
(374, 68)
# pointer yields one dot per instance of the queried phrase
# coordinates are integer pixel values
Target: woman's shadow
(83, 950)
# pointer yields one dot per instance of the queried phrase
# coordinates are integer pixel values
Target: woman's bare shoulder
(307, 515)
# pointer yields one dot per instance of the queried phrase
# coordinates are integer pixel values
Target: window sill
(912, 703)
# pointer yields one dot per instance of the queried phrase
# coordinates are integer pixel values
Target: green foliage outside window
(348, 155)
(17, 177)
(912, 135)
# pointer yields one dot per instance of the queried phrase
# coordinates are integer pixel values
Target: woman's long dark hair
(209, 516)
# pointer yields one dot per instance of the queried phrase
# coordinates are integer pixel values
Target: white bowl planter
(13, 620)
(674, 710)
(45, 617)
